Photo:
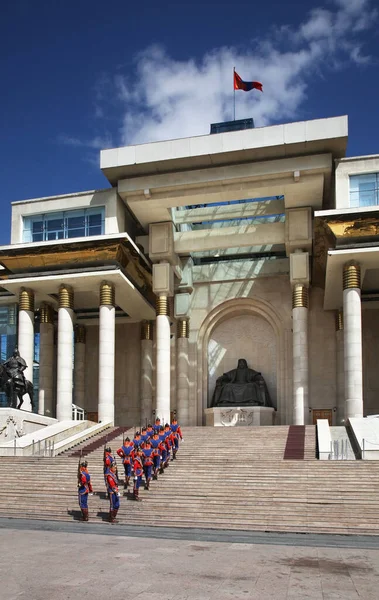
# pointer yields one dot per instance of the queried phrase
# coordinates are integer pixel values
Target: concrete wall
(114, 209)
(352, 166)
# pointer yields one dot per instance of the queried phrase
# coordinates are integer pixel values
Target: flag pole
(234, 96)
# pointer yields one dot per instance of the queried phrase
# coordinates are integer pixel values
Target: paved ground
(68, 561)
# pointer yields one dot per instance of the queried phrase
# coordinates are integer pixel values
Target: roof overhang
(250, 145)
(86, 291)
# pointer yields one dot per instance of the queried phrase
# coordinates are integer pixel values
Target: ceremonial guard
(177, 434)
(108, 463)
(138, 472)
(147, 459)
(150, 430)
(84, 488)
(137, 441)
(169, 441)
(114, 494)
(156, 454)
(144, 435)
(157, 425)
(126, 452)
(162, 449)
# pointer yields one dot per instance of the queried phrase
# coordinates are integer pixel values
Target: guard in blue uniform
(126, 452)
(114, 494)
(84, 488)
(156, 454)
(148, 462)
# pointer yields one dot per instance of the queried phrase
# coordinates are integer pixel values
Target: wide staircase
(241, 478)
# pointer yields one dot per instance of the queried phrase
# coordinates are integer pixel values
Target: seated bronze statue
(241, 387)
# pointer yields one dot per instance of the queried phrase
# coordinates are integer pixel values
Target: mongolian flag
(246, 86)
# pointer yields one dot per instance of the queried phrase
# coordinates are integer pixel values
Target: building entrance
(322, 414)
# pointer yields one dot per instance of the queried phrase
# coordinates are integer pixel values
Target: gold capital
(300, 296)
(46, 313)
(351, 275)
(107, 294)
(183, 328)
(66, 296)
(146, 330)
(80, 334)
(339, 320)
(26, 299)
(162, 307)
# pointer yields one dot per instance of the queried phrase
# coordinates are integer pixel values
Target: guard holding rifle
(114, 494)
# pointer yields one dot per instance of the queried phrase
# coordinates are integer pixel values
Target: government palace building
(129, 302)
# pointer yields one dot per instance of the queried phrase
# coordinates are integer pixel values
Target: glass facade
(364, 190)
(63, 225)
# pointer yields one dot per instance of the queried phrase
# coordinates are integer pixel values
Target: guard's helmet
(84, 464)
(108, 449)
(137, 433)
(167, 425)
(127, 439)
(149, 425)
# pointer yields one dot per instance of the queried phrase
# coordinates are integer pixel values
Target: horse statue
(13, 382)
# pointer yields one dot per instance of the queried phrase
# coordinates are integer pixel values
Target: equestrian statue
(13, 382)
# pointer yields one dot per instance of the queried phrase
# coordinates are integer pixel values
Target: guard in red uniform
(162, 449)
(84, 488)
(157, 425)
(137, 440)
(169, 441)
(177, 434)
(114, 494)
(147, 459)
(150, 430)
(126, 452)
(108, 462)
(138, 472)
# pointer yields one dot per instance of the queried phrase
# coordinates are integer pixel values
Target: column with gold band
(26, 336)
(182, 371)
(352, 314)
(340, 374)
(79, 365)
(146, 371)
(300, 353)
(107, 332)
(46, 360)
(163, 357)
(65, 352)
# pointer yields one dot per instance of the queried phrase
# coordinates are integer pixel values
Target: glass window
(364, 190)
(64, 225)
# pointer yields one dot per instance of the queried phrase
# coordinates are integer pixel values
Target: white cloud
(168, 98)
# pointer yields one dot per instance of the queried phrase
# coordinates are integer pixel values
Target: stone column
(46, 360)
(352, 340)
(65, 353)
(107, 333)
(79, 365)
(182, 372)
(26, 336)
(163, 359)
(300, 353)
(146, 371)
(340, 373)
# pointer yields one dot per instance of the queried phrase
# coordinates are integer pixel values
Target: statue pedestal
(239, 416)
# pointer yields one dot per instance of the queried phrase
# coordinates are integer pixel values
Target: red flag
(246, 86)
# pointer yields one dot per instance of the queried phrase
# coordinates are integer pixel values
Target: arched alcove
(213, 333)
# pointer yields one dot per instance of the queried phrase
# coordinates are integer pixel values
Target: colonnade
(62, 377)
(349, 367)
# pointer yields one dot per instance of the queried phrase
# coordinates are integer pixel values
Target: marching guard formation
(146, 456)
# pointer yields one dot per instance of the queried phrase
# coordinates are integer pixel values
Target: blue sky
(84, 75)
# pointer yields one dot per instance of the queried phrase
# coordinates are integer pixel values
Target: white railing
(78, 413)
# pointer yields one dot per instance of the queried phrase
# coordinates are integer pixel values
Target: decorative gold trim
(66, 296)
(183, 328)
(300, 296)
(162, 307)
(46, 313)
(339, 320)
(80, 334)
(146, 330)
(351, 276)
(107, 294)
(26, 300)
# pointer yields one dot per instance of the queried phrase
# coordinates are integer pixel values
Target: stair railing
(339, 450)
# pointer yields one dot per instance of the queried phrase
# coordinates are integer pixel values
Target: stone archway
(261, 311)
